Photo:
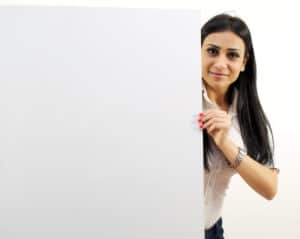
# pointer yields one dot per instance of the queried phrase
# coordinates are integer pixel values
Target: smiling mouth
(217, 74)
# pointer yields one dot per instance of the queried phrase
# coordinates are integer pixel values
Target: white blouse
(217, 180)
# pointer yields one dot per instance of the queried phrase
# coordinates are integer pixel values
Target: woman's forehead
(225, 40)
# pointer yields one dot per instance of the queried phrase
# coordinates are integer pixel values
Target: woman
(237, 135)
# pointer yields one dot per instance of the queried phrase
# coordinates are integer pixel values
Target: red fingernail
(201, 114)
(201, 126)
(200, 119)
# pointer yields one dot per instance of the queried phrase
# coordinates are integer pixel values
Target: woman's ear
(245, 60)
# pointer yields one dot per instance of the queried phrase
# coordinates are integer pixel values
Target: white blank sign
(97, 129)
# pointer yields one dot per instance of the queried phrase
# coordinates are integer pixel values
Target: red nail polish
(201, 126)
(201, 114)
(200, 119)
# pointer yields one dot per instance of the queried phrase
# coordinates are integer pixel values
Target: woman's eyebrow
(234, 49)
(215, 46)
(229, 49)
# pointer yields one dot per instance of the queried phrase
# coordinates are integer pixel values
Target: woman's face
(223, 58)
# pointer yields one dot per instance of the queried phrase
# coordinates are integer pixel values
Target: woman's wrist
(229, 149)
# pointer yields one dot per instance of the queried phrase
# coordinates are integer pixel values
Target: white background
(276, 35)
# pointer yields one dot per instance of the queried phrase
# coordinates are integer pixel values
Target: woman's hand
(216, 123)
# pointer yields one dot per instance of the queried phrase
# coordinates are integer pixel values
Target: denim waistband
(216, 231)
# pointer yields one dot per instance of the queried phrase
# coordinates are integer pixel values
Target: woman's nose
(220, 62)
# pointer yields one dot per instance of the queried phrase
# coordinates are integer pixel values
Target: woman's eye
(233, 55)
(212, 51)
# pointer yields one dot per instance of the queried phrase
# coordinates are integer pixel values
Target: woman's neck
(217, 97)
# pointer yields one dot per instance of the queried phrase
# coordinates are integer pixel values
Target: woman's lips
(218, 74)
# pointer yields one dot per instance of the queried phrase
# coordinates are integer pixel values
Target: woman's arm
(259, 177)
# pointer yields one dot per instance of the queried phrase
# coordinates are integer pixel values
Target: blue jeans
(216, 231)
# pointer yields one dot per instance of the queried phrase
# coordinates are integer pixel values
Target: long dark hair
(255, 128)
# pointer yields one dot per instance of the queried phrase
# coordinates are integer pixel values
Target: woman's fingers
(216, 123)
(214, 119)
(214, 114)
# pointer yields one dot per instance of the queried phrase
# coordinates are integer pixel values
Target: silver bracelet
(241, 155)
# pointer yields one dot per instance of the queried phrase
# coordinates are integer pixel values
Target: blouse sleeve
(275, 164)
